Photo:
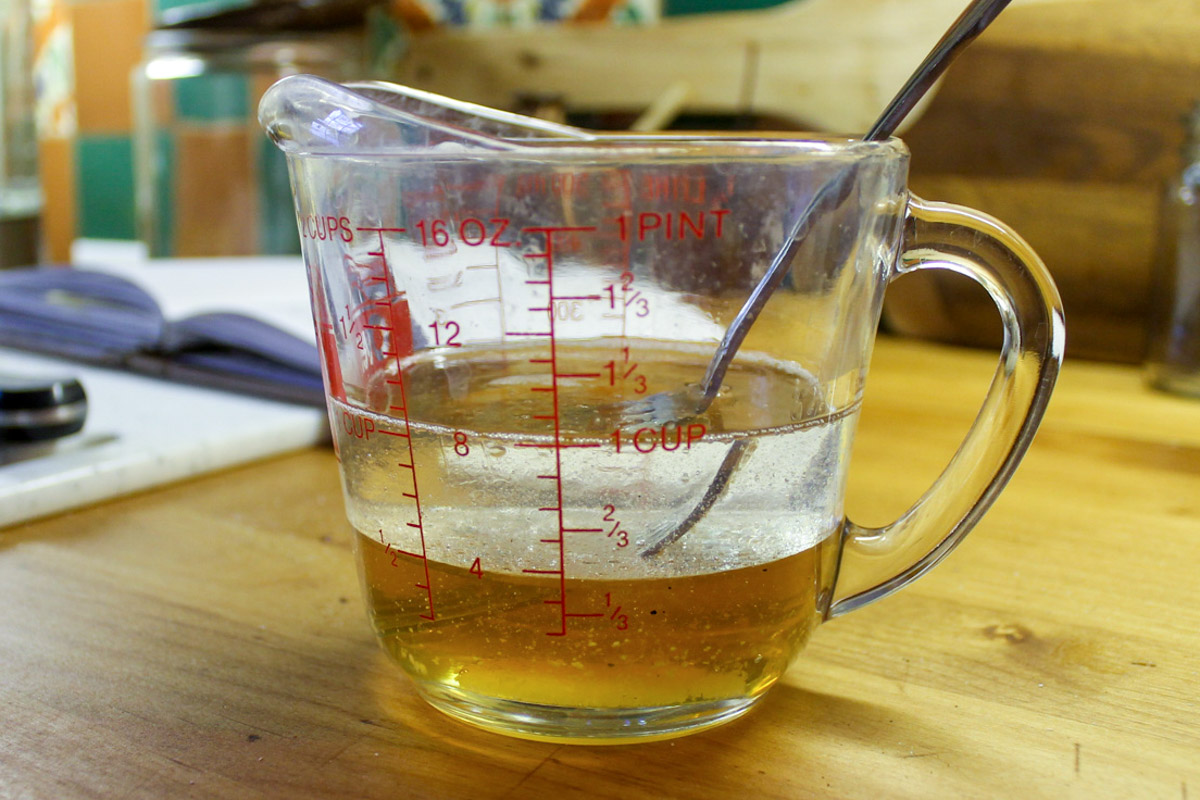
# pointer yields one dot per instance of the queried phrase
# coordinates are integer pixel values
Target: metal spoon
(696, 398)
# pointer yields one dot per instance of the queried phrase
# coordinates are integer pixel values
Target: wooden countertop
(208, 640)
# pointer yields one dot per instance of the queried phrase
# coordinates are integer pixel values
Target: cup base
(582, 726)
(1176, 379)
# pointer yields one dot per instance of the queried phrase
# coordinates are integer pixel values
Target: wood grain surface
(1066, 120)
(826, 64)
(208, 639)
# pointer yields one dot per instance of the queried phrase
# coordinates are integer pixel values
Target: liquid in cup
(489, 303)
(713, 620)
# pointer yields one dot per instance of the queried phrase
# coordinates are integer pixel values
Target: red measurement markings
(364, 324)
(400, 333)
(668, 437)
(671, 225)
(327, 341)
(619, 619)
(355, 313)
(325, 228)
(394, 552)
(621, 373)
(621, 537)
(627, 296)
(557, 445)
(554, 445)
(471, 231)
(622, 297)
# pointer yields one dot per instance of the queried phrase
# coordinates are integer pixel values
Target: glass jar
(1173, 362)
(208, 182)
(20, 188)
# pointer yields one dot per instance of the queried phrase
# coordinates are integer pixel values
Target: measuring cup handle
(877, 561)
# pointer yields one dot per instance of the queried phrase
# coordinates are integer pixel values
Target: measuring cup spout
(306, 114)
(469, 116)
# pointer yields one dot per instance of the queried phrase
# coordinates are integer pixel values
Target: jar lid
(37, 409)
(255, 47)
(266, 17)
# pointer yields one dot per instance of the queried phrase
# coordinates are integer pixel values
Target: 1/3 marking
(619, 619)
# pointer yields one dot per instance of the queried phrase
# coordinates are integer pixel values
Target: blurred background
(1067, 119)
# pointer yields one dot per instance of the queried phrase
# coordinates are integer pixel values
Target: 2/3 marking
(621, 537)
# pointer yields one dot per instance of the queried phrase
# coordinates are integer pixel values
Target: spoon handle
(977, 16)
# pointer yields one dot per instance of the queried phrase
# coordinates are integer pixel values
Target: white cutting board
(142, 432)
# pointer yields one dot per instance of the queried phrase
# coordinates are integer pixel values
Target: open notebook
(142, 431)
(241, 325)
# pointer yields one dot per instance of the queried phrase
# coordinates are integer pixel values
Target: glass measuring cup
(492, 297)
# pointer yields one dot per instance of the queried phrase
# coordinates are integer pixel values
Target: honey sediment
(653, 642)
